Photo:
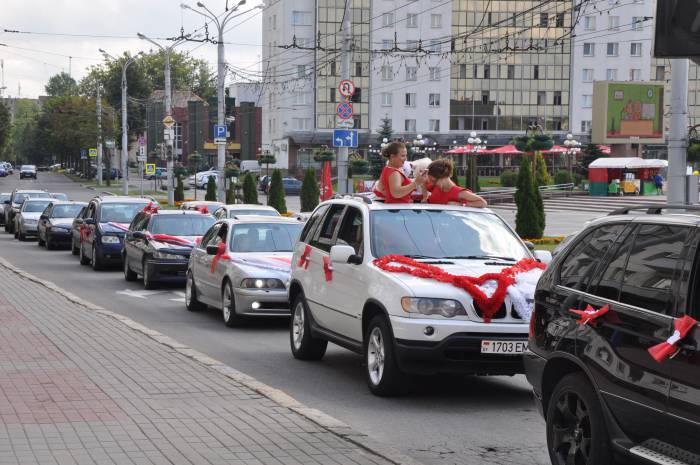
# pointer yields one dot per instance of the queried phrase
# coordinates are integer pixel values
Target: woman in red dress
(442, 190)
(393, 183)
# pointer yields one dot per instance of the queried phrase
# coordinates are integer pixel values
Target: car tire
(383, 373)
(129, 274)
(95, 260)
(148, 282)
(575, 424)
(83, 259)
(48, 244)
(191, 302)
(304, 346)
(39, 242)
(74, 250)
(228, 306)
(21, 236)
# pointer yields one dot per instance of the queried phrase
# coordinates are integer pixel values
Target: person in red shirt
(393, 183)
(442, 190)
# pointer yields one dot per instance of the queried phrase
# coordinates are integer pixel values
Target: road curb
(278, 396)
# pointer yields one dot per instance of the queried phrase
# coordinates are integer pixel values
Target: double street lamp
(573, 148)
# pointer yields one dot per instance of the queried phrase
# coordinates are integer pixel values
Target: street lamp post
(573, 147)
(476, 145)
(221, 73)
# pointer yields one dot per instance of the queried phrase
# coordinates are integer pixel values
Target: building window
(435, 45)
(434, 100)
(475, 70)
(637, 23)
(357, 96)
(586, 101)
(536, 72)
(660, 73)
(557, 98)
(487, 71)
(636, 49)
(411, 45)
(411, 20)
(387, 73)
(410, 99)
(556, 124)
(588, 49)
(541, 98)
(587, 75)
(544, 19)
(585, 126)
(612, 49)
(411, 73)
(331, 98)
(511, 71)
(358, 69)
(301, 124)
(484, 124)
(410, 125)
(301, 98)
(388, 19)
(386, 99)
(463, 71)
(434, 125)
(387, 44)
(589, 23)
(635, 75)
(560, 20)
(436, 21)
(611, 74)
(613, 23)
(332, 68)
(301, 71)
(485, 98)
(301, 18)
(434, 73)
(357, 122)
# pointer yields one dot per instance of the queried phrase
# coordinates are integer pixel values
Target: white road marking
(139, 294)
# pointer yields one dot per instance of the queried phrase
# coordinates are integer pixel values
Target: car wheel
(191, 302)
(95, 260)
(304, 345)
(383, 374)
(576, 431)
(83, 259)
(74, 250)
(39, 242)
(21, 236)
(47, 242)
(228, 307)
(148, 283)
(129, 274)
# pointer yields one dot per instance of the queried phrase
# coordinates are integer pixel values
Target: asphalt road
(439, 420)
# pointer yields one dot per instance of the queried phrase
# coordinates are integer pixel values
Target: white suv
(402, 323)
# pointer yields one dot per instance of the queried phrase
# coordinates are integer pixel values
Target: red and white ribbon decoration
(120, 226)
(682, 327)
(174, 240)
(304, 259)
(265, 263)
(590, 314)
(220, 255)
(327, 268)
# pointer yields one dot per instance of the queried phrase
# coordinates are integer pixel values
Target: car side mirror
(530, 246)
(344, 254)
(543, 256)
(89, 221)
(138, 235)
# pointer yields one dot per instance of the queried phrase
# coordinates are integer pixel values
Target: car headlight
(425, 306)
(262, 283)
(167, 256)
(110, 239)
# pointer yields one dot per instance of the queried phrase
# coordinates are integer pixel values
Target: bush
(542, 177)
(310, 191)
(577, 179)
(529, 219)
(509, 178)
(472, 175)
(562, 177)
(211, 190)
(275, 196)
(231, 194)
(250, 190)
(179, 190)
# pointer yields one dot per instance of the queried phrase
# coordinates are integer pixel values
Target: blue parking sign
(345, 138)
(219, 132)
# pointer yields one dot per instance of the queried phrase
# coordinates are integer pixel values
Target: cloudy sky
(53, 30)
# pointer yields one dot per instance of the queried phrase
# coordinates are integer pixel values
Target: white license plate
(503, 347)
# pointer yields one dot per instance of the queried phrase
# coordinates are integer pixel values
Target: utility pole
(677, 143)
(99, 138)
(345, 74)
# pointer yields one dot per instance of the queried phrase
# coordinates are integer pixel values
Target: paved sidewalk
(78, 386)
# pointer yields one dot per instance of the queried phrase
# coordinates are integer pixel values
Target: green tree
(5, 126)
(562, 177)
(179, 190)
(267, 159)
(542, 177)
(472, 181)
(61, 85)
(529, 219)
(231, 194)
(310, 191)
(509, 178)
(250, 190)
(275, 197)
(589, 154)
(376, 160)
(211, 190)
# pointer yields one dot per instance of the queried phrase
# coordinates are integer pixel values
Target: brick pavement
(79, 387)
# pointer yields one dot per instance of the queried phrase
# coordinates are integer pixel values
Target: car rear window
(120, 212)
(66, 211)
(261, 237)
(181, 225)
(19, 197)
(35, 206)
(233, 213)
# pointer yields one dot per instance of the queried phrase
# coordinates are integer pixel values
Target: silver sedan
(27, 219)
(242, 267)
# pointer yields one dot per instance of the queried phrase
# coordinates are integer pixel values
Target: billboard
(677, 29)
(628, 112)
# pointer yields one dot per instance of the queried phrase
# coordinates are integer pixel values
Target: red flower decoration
(327, 269)
(304, 259)
(682, 327)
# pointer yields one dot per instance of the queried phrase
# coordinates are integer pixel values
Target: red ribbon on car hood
(174, 240)
(682, 327)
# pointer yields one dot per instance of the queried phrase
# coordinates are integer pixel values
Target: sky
(78, 28)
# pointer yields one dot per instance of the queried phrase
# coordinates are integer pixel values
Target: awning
(506, 149)
(556, 149)
(633, 163)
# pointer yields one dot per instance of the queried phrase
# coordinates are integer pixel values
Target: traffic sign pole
(345, 72)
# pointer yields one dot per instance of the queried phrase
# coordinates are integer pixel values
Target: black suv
(603, 396)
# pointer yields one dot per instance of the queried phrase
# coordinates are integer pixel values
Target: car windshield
(35, 206)
(59, 196)
(19, 197)
(443, 234)
(28, 167)
(120, 212)
(233, 213)
(4, 197)
(66, 211)
(261, 237)
(181, 225)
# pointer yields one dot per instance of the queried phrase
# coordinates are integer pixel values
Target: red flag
(326, 184)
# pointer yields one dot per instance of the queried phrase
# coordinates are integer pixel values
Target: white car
(199, 180)
(27, 220)
(400, 322)
(238, 209)
(242, 267)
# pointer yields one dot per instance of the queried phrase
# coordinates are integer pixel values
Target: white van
(251, 166)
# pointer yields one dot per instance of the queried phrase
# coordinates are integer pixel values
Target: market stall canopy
(556, 149)
(633, 163)
(605, 149)
(506, 149)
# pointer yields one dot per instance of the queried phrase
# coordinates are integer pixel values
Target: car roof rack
(364, 198)
(654, 209)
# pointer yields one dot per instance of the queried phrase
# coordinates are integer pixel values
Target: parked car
(115, 173)
(105, 222)
(76, 227)
(400, 322)
(252, 281)
(159, 242)
(202, 206)
(54, 228)
(27, 171)
(3, 171)
(250, 166)
(9, 168)
(4, 197)
(13, 205)
(27, 220)
(161, 173)
(200, 179)
(603, 307)
(292, 186)
(232, 211)
(59, 196)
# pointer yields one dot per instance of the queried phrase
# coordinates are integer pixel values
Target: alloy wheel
(298, 326)
(188, 289)
(571, 426)
(375, 355)
(226, 303)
